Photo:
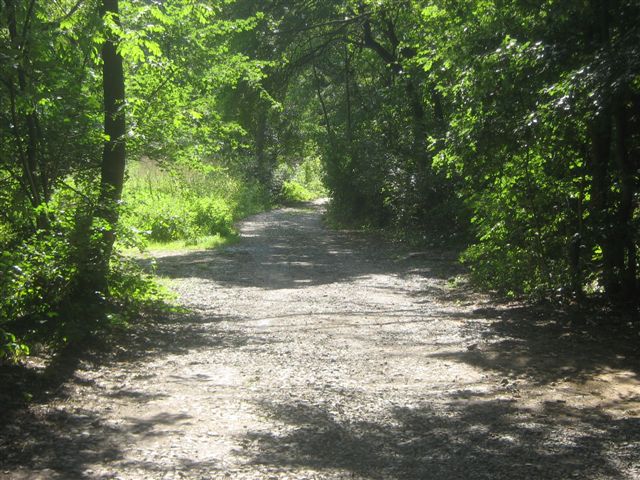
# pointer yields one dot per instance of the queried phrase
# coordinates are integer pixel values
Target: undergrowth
(187, 207)
(300, 183)
(178, 208)
(38, 276)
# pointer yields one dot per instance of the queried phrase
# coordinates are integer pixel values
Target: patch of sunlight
(201, 243)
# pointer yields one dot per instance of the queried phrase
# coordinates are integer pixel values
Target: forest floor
(315, 354)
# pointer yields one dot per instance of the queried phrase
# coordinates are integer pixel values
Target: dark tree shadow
(300, 253)
(477, 439)
(62, 444)
(472, 438)
(546, 345)
(36, 436)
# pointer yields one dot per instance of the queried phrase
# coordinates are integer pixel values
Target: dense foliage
(185, 204)
(507, 126)
(64, 126)
(511, 126)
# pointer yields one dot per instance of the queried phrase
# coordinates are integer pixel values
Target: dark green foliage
(11, 349)
(38, 273)
(534, 133)
(509, 125)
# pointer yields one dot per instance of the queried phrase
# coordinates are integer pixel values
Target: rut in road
(313, 354)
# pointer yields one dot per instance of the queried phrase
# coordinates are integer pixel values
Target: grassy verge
(201, 243)
(185, 208)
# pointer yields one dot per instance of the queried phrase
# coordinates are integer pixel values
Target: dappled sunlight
(327, 355)
(300, 253)
(475, 439)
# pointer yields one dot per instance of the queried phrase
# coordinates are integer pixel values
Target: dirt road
(311, 354)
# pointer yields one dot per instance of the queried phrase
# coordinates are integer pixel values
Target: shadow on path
(546, 345)
(471, 438)
(300, 253)
(45, 436)
(474, 439)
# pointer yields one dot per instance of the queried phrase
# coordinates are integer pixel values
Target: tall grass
(198, 206)
(187, 206)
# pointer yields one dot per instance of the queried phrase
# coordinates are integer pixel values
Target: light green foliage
(300, 183)
(134, 290)
(510, 125)
(310, 175)
(185, 204)
(177, 61)
(292, 191)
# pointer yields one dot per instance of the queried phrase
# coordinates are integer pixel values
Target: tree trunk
(325, 113)
(347, 89)
(114, 154)
(29, 152)
(264, 170)
(423, 160)
(601, 138)
(94, 266)
(625, 237)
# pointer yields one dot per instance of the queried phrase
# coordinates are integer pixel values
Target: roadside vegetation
(510, 129)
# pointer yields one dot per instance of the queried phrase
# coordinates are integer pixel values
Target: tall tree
(97, 230)
(114, 153)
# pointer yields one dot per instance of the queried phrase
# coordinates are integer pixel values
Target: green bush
(11, 349)
(251, 198)
(132, 290)
(38, 275)
(167, 218)
(298, 183)
(310, 174)
(292, 191)
(186, 204)
(213, 216)
(35, 276)
(163, 219)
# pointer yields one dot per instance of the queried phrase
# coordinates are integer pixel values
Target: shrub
(187, 205)
(132, 290)
(11, 349)
(299, 183)
(36, 276)
(292, 191)
(213, 216)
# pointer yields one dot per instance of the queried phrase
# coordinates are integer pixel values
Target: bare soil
(314, 354)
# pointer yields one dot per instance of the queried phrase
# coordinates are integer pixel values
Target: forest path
(312, 354)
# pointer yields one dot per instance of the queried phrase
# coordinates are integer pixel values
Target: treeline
(511, 126)
(508, 126)
(85, 84)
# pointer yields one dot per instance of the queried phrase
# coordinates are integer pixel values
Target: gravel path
(311, 354)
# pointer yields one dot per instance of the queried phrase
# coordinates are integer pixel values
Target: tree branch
(371, 43)
(340, 22)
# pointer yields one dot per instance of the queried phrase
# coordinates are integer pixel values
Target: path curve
(313, 354)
